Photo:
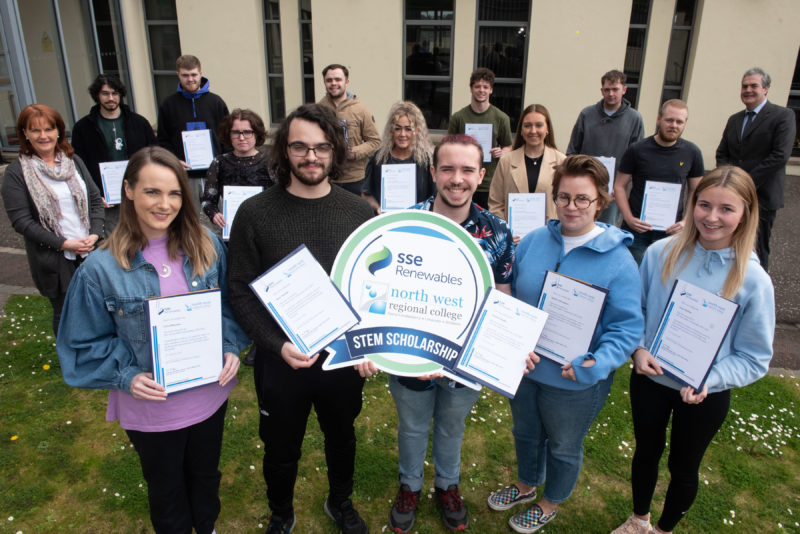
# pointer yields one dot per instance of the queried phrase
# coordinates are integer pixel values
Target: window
(678, 55)
(161, 21)
(428, 59)
(272, 34)
(307, 49)
(111, 41)
(502, 45)
(794, 104)
(634, 54)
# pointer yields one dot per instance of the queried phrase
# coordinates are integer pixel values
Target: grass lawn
(65, 469)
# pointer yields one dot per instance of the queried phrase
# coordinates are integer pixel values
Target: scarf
(34, 170)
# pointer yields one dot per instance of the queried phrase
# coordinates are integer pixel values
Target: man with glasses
(110, 132)
(360, 133)
(663, 157)
(302, 208)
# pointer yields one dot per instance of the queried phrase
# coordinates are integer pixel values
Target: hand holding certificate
(232, 198)
(503, 334)
(197, 148)
(694, 324)
(304, 302)
(526, 212)
(111, 174)
(660, 204)
(483, 135)
(398, 186)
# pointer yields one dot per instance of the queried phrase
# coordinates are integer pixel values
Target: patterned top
(493, 235)
(229, 169)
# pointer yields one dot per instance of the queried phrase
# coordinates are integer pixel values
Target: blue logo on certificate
(417, 280)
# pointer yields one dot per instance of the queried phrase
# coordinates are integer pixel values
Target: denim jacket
(102, 340)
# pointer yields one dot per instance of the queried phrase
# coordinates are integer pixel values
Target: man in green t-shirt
(496, 134)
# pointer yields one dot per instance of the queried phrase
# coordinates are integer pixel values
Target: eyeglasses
(301, 150)
(247, 134)
(581, 202)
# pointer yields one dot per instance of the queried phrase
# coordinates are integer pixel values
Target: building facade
(268, 54)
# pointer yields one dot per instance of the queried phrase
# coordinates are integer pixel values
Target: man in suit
(759, 140)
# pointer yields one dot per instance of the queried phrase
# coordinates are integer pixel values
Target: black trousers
(766, 218)
(181, 468)
(285, 398)
(693, 428)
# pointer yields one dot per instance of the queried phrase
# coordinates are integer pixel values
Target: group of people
(322, 179)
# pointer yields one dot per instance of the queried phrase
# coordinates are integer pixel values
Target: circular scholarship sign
(417, 279)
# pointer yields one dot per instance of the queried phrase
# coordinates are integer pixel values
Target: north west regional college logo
(417, 279)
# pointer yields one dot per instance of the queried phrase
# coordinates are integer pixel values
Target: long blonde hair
(185, 231)
(421, 146)
(738, 182)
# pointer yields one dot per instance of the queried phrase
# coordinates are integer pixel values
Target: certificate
(398, 186)
(111, 174)
(186, 339)
(660, 204)
(197, 148)
(304, 302)
(526, 212)
(694, 324)
(574, 308)
(483, 135)
(232, 198)
(610, 163)
(503, 334)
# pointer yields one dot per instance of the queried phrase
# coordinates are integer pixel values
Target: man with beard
(457, 171)
(663, 157)
(110, 132)
(302, 208)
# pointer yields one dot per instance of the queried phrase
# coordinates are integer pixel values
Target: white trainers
(634, 526)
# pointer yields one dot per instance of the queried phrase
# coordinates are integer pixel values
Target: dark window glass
(102, 11)
(632, 95)
(640, 11)
(508, 10)
(429, 10)
(277, 104)
(502, 50)
(634, 55)
(160, 10)
(271, 10)
(305, 9)
(308, 91)
(669, 93)
(428, 50)
(274, 57)
(508, 97)
(165, 46)
(166, 84)
(433, 99)
(796, 79)
(308, 56)
(108, 56)
(676, 58)
(684, 13)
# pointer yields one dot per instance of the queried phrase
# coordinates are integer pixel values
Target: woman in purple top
(158, 248)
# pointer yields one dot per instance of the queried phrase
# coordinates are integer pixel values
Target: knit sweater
(267, 228)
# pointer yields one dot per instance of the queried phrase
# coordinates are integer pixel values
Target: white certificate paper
(504, 332)
(483, 135)
(398, 186)
(111, 173)
(694, 324)
(186, 339)
(526, 212)
(660, 204)
(197, 148)
(232, 198)
(574, 308)
(305, 303)
(610, 163)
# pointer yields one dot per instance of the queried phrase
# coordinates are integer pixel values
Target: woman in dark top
(246, 165)
(405, 140)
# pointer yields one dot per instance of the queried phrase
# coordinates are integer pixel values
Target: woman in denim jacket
(158, 248)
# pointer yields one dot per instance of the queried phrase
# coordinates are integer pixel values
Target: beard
(446, 201)
(299, 172)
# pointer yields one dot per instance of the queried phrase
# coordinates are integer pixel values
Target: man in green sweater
(303, 208)
(487, 124)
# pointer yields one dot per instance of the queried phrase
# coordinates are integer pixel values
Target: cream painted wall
(655, 61)
(713, 93)
(463, 49)
(230, 45)
(572, 44)
(139, 59)
(292, 54)
(367, 37)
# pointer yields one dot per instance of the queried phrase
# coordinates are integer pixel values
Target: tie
(748, 119)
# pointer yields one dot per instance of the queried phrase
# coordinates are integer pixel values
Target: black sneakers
(346, 518)
(452, 508)
(404, 510)
(278, 525)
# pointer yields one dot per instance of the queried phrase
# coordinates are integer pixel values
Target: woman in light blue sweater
(556, 404)
(714, 251)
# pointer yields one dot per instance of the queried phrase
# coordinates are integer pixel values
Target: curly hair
(226, 124)
(421, 146)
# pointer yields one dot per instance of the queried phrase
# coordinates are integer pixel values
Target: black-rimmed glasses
(301, 150)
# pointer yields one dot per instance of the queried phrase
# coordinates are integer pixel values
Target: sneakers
(633, 526)
(509, 497)
(250, 358)
(346, 518)
(404, 510)
(278, 525)
(530, 520)
(452, 508)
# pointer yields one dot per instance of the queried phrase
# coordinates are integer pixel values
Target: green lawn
(64, 469)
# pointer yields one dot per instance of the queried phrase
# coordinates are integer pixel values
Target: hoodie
(598, 134)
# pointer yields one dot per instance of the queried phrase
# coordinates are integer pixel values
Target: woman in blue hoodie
(555, 405)
(714, 251)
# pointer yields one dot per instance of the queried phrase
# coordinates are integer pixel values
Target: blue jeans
(449, 407)
(550, 425)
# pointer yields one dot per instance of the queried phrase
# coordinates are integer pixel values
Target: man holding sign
(308, 149)
(457, 173)
(663, 158)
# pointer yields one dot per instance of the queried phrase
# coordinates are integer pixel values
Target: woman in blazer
(529, 167)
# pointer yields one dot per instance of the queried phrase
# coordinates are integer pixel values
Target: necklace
(166, 270)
